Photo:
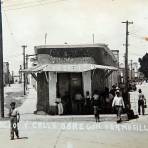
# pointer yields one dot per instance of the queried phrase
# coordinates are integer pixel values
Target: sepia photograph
(73, 73)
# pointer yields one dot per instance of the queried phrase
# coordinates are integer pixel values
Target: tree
(144, 65)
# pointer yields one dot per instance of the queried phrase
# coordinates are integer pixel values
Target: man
(118, 104)
(14, 119)
(141, 101)
(79, 99)
(87, 103)
(113, 90)
(95, 100)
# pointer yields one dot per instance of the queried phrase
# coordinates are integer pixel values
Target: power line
(10, 29)
(35, 5)
(22, 3)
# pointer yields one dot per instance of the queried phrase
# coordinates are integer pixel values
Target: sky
(25, 22)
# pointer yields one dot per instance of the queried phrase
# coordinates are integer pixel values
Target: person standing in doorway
(141, 102)
(87, 103)
(118, 104)
(79, 99)
(14, 119)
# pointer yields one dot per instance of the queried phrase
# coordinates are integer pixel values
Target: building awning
(34, 69)
(67, 68)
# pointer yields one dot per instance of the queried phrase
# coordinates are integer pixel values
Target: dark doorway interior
(68, 84)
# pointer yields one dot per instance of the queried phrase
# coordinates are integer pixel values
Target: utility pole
(20, 74)
(12, 77)
(1, 68)
(126, 56)
(131, 69)
(27, 57)
(24, 64)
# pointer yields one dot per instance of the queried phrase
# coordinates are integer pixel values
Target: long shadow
(23, 138)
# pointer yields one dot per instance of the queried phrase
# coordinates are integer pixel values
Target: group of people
(97, 102)
(90, 103)
(113, 101)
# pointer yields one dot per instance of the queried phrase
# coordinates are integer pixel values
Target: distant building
(133, 72)
(70, 69)
(16, 78)
(6, 73)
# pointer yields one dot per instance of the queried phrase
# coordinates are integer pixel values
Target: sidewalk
(71, 118)
(25, 104)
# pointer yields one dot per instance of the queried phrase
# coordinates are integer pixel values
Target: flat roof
(101, 45)
(71, 46)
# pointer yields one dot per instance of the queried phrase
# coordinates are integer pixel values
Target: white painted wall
(52, 88)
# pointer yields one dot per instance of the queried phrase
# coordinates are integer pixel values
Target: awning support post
(108, 73)
(47, 80)
(34, 76)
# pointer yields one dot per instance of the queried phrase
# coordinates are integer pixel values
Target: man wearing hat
(118, 104)
(14, 119)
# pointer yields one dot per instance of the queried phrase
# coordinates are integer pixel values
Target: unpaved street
(43, 131)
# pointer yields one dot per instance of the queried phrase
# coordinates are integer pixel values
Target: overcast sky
(74, 22)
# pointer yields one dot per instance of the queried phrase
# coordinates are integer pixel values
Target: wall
(52, 91)
(42, 93)
(98, 82)
(93, 55)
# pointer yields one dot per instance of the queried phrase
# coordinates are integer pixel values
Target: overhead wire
(22, 3)
(12, 35)
(39, 3)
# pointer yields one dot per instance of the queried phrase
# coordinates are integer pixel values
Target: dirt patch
(17, 97)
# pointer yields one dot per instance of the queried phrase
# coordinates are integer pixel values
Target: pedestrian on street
(95, 99)
(96, 113)
(118, 105)
(141, 102)
(14, 119)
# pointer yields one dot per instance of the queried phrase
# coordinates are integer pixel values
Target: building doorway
(68, 84)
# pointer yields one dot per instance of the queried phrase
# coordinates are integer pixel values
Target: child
(96, 113)
(14, 119)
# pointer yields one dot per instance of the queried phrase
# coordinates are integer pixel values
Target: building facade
(6, 73)
(68, 69)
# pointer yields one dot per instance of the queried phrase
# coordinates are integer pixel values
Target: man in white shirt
(118, 104)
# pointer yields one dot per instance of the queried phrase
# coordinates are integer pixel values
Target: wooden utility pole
(24, 64)
(1, 68)
(20, 74)
(126, 56)
(12, 77)
(27, 82)
(131, 70)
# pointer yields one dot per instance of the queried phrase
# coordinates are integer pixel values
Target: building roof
(104, 46)
(71, 46)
